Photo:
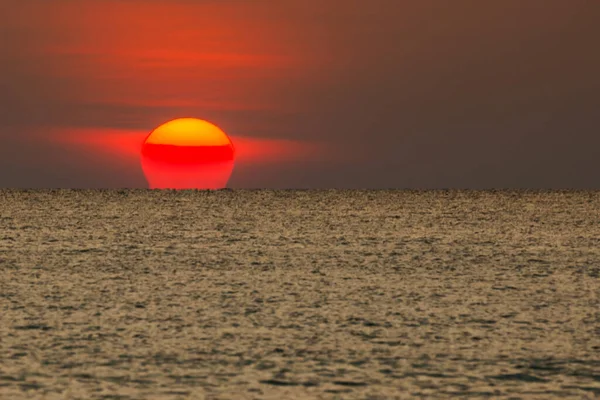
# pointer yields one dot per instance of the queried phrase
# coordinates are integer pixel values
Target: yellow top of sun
(188, 132)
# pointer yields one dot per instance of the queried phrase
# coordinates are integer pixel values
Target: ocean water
(299, 294)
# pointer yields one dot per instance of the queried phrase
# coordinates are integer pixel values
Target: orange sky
(391, 92)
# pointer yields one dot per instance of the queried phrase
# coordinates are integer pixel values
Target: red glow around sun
(187, 153)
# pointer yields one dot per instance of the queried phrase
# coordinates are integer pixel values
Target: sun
(188, 132)
(187, 153)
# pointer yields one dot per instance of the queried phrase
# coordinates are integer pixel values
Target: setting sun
(187, 153)
(188, 132)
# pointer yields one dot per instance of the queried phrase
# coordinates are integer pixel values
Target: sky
(315, 93)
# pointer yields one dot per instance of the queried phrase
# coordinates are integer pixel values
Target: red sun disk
(187, 167)
(200, 175)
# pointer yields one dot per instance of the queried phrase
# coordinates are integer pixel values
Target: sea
(299, 294)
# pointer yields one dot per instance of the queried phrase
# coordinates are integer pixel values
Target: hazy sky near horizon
(330, 93)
